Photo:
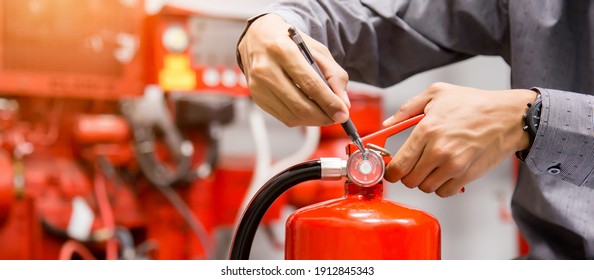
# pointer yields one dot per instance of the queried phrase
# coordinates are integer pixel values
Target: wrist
(252, 25)
(265, 20)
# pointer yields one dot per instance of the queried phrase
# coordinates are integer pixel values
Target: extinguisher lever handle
(379, 138)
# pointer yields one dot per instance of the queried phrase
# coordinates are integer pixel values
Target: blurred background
(127, 132)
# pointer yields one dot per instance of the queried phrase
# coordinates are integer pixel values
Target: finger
(312, 85)
(306, 110)
(462, 174)
(436, 179)
(277, 90)
(424, 167)
(278, 107)
(264, 97)
(451, 187)
(273, 106)
(415, 105)
(406, 158)
(410, 108)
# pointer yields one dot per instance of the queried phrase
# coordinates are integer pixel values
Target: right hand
(281, 81)
(457, 143)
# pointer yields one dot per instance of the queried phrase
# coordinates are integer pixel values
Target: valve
(365, 169)
(376, 141)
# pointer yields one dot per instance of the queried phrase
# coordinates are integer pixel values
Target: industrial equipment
(109, 126)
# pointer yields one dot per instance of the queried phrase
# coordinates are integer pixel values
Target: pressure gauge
(365, 170)
(175, 39)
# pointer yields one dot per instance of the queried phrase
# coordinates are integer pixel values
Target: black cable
(110, 171)
(157, 173)
(275, 187)
(149, 119)
(211, 155)
(193, 222)
(152, 167)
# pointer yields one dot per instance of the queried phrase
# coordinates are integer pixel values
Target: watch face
(533, 118)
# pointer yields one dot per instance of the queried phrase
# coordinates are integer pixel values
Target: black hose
(275, 187)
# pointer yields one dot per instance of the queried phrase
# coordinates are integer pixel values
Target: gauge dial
(365, 170)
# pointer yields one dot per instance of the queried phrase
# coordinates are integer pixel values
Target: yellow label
(177, 73)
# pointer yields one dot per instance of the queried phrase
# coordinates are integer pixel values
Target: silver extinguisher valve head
(333, 169)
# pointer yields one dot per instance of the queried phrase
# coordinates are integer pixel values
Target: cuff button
(554, 170)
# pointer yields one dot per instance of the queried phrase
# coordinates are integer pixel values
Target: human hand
(282, 82)
(465, 133)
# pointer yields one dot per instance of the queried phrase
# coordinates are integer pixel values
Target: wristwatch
(531, 122)
(532, 118)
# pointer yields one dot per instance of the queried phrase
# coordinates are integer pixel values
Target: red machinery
(56, 68)
(97, 98)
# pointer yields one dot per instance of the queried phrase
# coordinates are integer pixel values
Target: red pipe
(70, 247)
(106, 214)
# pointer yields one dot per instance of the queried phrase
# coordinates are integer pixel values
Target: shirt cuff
(237, 54)
(564, 142)
(288, 15)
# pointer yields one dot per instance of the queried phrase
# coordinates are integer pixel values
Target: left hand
(282, 82)
(465, 133)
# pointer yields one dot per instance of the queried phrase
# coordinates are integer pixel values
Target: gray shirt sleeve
(564, 144)
(384, 42)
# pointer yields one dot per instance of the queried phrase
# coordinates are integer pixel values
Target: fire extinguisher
(360, 225)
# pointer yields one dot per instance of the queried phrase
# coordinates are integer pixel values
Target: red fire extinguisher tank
(362, 225)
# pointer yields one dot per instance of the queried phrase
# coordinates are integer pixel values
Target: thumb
(410, 108)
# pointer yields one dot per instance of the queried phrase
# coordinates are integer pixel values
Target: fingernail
(388, 121)
(340, 117)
